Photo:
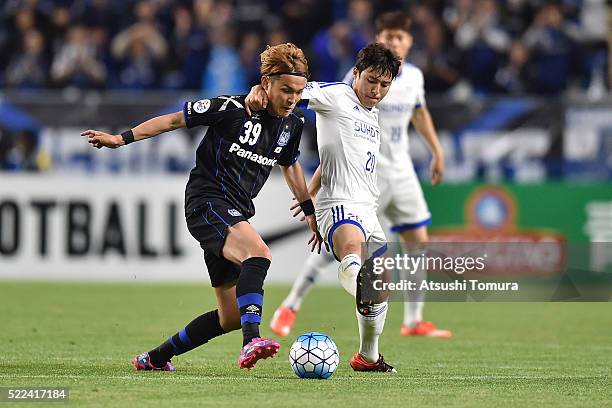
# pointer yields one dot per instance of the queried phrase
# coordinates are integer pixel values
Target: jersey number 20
(370, 163)
(251, 133)
(396, 134)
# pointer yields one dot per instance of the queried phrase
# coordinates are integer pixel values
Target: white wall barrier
(67, 227)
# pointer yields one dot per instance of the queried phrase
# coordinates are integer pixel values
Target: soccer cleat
(143, 362)
(425, 329)
(358, 363)
(283, 320)
(255, 350)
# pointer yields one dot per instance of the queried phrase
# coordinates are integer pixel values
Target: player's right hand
(437, 169)
(100, 139)
(256, 100)
(315, 239)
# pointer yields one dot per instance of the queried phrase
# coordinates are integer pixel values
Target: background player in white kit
(401, 199)
(348, 137)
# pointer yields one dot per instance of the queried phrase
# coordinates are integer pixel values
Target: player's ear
(265, 82)
(355, 72)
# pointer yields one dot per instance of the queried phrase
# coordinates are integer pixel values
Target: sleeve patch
(201, 106)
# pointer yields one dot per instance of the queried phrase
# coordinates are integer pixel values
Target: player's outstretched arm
(421, 118)
(145, 130)
(313, 190)
(294, 176)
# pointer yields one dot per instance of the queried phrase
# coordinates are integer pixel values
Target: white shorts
(402, 202)
(329, 219)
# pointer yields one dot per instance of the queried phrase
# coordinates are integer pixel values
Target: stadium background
(518, 89)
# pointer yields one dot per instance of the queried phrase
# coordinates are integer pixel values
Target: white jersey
(406, 93)
(348, 136)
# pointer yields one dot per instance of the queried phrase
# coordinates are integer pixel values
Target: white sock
(370, 328)
(307, 277)
(348, 271)
(413, 313)
(414, 300)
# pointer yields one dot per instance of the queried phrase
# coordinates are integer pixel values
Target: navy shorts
(208, 223)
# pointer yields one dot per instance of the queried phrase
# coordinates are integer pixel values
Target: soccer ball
(314, 355)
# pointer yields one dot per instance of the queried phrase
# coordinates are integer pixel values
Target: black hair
(379, 58)
(393, 20)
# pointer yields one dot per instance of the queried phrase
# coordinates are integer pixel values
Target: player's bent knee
(347, 239)
(346, 248)
(258, 250)
(244, 252)
(264, 252)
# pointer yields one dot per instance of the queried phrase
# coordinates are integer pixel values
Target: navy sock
(249, 294)
(199, 331)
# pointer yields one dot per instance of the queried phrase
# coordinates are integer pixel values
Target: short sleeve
(206, 112)
(291, 152)
(320, 95)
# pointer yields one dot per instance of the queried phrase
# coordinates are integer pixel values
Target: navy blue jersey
(238, 151)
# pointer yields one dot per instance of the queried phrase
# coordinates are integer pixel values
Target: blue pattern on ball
(314, 355)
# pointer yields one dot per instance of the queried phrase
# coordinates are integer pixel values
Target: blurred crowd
(479, 46)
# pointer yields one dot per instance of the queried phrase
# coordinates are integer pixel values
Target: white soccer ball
(314, 355)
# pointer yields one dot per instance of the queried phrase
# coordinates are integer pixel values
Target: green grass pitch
(82, 336)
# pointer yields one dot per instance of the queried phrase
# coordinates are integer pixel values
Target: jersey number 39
(251, 133)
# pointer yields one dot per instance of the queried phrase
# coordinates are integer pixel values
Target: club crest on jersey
(233, 212)
(201, 106)
(283, 139)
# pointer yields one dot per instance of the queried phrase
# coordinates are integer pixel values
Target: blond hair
(283, 58)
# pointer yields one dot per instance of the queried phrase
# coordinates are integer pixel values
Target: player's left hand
(256, 100)
(297, 210)
(437, 169)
